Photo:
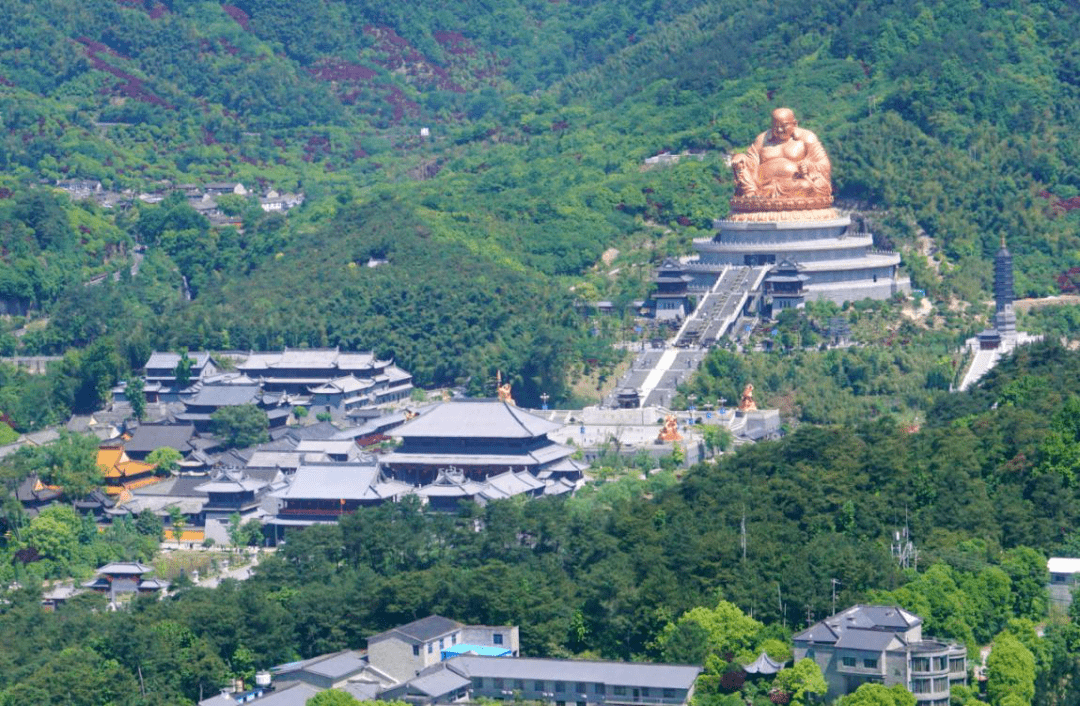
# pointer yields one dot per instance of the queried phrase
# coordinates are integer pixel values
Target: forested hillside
(947, 120)
(988, 491)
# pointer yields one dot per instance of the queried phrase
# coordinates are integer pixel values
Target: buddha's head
(783, 124)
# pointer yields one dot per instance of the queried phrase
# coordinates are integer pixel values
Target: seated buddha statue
(785, 162)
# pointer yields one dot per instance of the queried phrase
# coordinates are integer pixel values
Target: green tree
(55, 533)
(166, 458)
(1010, 671)
(178, 521)
(241, 426)
(801, 682)
(878, 695)
(333, 697)
(136, 397)
(149, 525)
(71, 463)
(716, 438)
(183, 370)
(723, 630)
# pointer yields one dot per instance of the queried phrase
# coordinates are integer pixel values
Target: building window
(498, 683)
(560, 687)
(497, 638)
(920, 664)
(600, 689)
(669, 693)
(538, 686)
(956, 665)
(416, 650)
(478, 682)
(869, 663)
(582, 687)
(644, 691)
(941, 664)
(849, 661)
(453, 639)
(430, 647)
(441, 645)
(519, 684)
(619, 690)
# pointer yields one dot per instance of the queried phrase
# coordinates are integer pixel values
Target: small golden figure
(747, 404)
(503, 389)
(670, 431)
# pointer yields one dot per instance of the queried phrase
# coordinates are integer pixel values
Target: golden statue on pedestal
(747, 404)
(670, 432)
(784, 176)
(503, 389)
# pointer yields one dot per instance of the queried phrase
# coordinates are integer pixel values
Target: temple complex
(782, 227)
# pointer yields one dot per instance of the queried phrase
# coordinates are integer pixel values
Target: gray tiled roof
(225, 395)
(319, 430)
(275, 459)
(294, 695)
(175, 487)
(339, 666)
(362, 691)
(330, 482)
(472, 419)
(868, 640)
(439, 683)
(861, 627)
(154, 436)
(344, 446)
(639, 674)
(420, 630)
(159, 360)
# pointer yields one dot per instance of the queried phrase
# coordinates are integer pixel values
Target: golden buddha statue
(785, 169)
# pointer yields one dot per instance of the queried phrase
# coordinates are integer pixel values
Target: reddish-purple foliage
(132, 87)
(329, 69)
(454, 43)
(400, 104)
(733, 680)
(239, 15)
(1059, 205)
(1069, 282)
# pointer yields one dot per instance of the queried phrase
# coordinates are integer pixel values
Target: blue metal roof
(481, 650)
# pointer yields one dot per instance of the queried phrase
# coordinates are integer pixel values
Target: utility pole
(835, 583)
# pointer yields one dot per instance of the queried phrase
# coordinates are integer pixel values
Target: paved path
(240, 573)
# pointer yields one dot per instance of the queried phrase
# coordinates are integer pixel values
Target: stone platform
(838, 259)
